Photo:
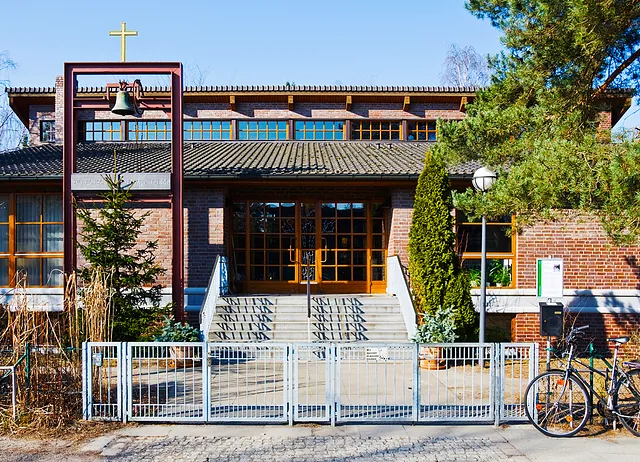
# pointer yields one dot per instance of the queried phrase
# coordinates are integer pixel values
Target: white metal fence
(8, 389)
(307, 382)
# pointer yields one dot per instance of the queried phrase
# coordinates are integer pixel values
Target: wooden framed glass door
(341, 246)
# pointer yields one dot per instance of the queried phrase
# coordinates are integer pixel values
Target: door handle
(325, 250)
(292, 242)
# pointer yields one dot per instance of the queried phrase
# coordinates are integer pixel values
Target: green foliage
(173, 331)
(500, 273)
(431, 238)
(459, 296)
(436, 277)
(140, 324)
(537, 123)
(475, 277)
(437, 327)
(109, 241)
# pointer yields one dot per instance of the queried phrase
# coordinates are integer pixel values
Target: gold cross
(123, 33)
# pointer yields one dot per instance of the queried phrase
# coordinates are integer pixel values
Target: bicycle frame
(610, 381)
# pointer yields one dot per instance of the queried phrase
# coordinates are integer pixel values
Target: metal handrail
(211, 295)
(399, 286)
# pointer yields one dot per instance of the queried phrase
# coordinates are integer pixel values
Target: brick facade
(157, 226)
(525, 327)
(590, 260)
(204, 233)
(400, 222)
(591, 263)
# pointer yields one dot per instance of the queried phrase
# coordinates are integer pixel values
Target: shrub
(459, 296)
(438, 327)
(174, 331)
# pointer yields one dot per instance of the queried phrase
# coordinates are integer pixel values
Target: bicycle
(557, 401)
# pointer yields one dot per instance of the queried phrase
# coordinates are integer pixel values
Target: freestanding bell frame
(172, 105)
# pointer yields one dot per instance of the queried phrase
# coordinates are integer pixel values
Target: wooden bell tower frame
(173, 105)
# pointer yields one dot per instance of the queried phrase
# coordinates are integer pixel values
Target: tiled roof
(239, 159)
(272, 88)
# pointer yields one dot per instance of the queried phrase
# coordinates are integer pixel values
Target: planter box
(184, 356)
(431, 358)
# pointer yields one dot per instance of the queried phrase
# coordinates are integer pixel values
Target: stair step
(303, 309)
(283, 318)
(302, 317)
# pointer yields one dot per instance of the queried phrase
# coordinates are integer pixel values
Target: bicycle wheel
(627, 401)
(555, 406)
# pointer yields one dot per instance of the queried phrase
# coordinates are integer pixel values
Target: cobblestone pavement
(308, 448)
(317, 443)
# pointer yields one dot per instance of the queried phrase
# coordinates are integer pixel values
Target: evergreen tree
(436, 278)
(109, 241)
(537, 124)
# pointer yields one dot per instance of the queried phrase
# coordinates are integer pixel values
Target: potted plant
(174, 331)
(500, 274)
(475, 277)
(437, 327)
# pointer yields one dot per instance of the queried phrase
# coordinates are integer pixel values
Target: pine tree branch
(626, 63)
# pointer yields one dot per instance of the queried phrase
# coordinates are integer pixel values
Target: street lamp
(483, 179)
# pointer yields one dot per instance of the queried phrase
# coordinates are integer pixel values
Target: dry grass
(47, 348)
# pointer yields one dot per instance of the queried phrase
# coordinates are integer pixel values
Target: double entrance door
(337, 247)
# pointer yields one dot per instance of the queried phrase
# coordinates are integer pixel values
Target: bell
(124, 104)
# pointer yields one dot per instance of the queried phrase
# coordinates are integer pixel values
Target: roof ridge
(271, 88)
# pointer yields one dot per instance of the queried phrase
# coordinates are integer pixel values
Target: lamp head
(483, 179)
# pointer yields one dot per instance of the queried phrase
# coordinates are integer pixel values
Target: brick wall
(204, 233)
(156, 226)
(204, 222)
(269, 110)
(525, 327)
(323, 110)
(590, 260)
(604, 126)
(400, 222)
(59, 109)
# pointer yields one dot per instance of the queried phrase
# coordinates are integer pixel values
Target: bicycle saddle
(619, 340)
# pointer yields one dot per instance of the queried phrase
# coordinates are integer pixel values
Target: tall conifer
(436, 277)
(109, 241)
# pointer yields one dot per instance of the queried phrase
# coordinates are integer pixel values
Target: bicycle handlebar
(575, 332)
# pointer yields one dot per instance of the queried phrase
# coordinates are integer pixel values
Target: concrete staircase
(283, 318)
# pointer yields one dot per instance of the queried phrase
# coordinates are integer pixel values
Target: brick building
(276, 175)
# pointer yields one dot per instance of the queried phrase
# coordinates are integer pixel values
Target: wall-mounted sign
(550, 277)
(137, 181)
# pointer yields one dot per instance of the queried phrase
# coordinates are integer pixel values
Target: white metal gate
(307, 382)
(102, 381)
(248, 382)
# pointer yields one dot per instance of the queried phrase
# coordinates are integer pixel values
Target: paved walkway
(353, 443)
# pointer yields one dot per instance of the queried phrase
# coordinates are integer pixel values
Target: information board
(550, 277)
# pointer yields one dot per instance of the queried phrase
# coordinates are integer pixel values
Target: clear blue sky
(250, 42)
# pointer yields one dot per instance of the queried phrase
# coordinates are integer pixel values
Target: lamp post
(483, 179)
